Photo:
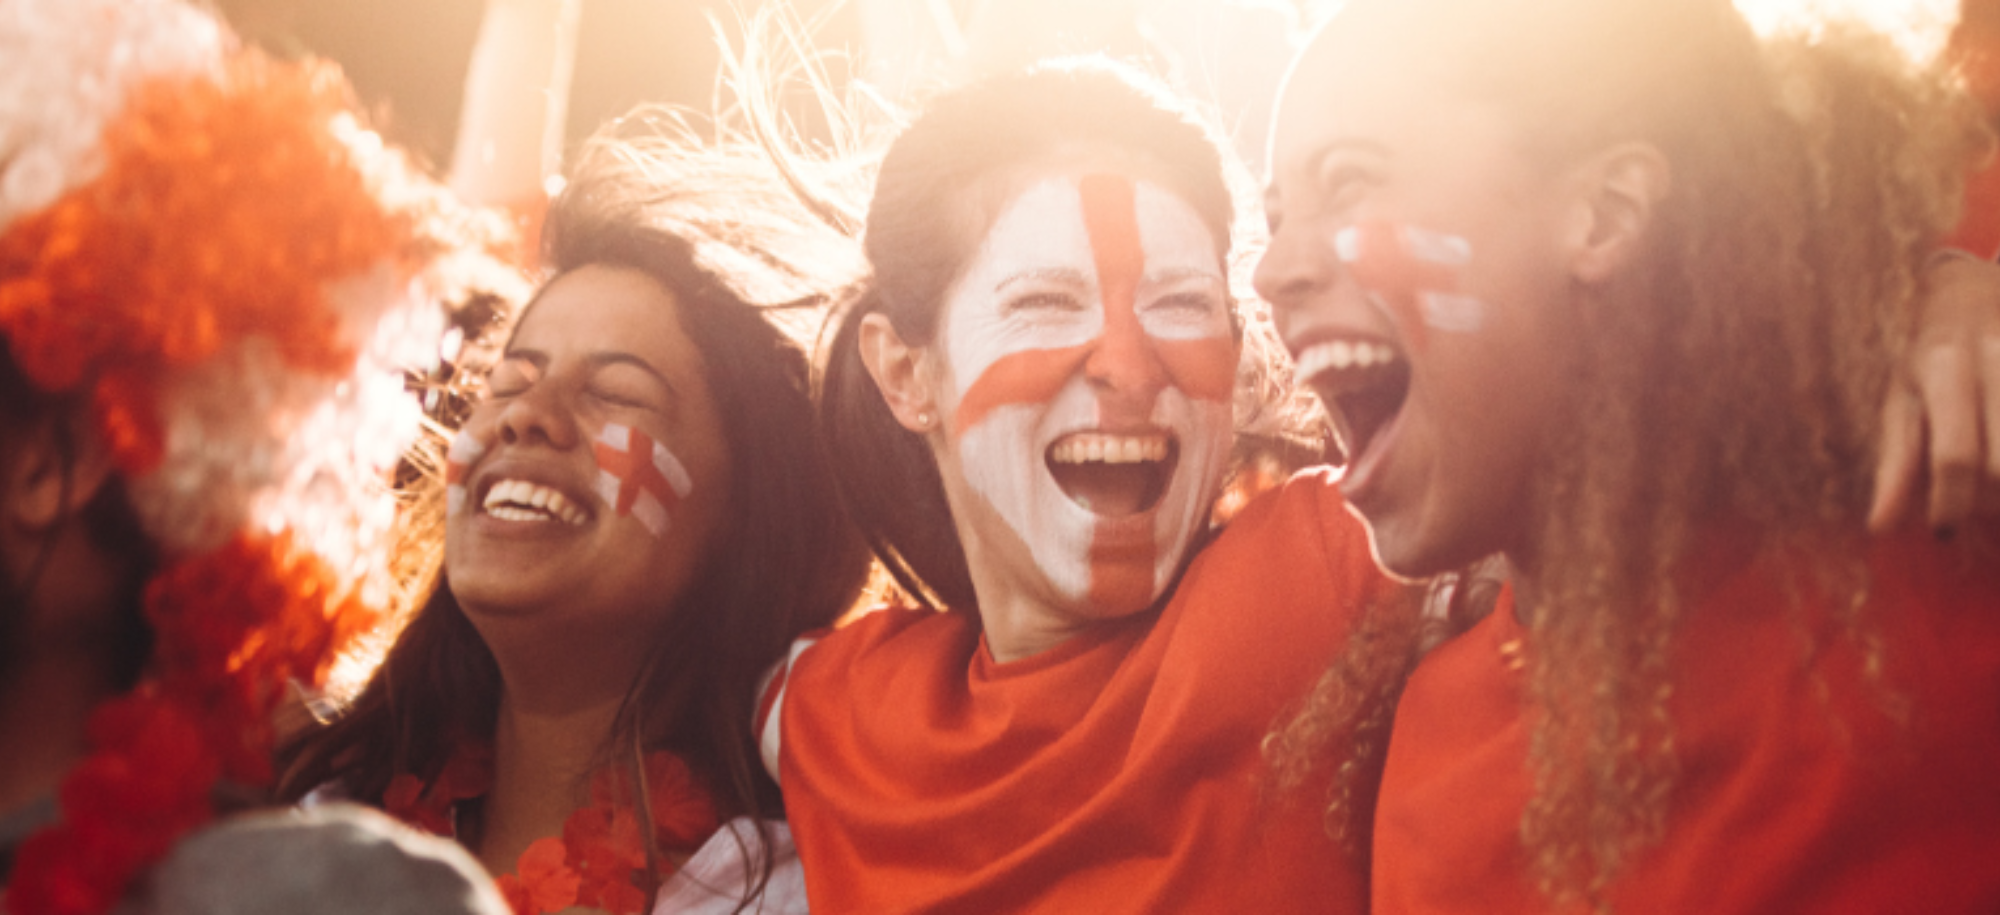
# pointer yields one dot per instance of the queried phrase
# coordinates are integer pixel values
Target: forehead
(1044, 225)
(599, 308)
(1360, 73)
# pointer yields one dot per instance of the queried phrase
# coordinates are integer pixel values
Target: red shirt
(1117, 772)
(1775, 810)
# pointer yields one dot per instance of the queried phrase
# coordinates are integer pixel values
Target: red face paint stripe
(1385, 265)
(1029, 376)
(1110, 216)
(1121, 574)
(1204, 369)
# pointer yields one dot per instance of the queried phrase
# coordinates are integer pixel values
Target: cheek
(466, 447)
(639, 476)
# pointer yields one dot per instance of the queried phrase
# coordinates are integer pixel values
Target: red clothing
(1775, 811)
(1118, 772)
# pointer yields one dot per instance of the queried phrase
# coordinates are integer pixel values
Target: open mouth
(1115, 476)
(1363, 383)
(520, 500)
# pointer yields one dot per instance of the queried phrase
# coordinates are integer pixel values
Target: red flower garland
(224, 209)
(600, 859)
(232, 627)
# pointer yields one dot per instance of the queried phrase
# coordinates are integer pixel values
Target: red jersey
(1117, 772)
(1797, 793)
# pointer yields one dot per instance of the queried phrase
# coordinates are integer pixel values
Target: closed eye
(1185, 303)
(1343, 182)
(1043, 303)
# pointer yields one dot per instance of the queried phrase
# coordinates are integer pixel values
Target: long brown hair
(935, 192)
(1735, 371)
(709, 221)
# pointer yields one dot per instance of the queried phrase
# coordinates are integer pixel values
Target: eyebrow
(1057, 274)
(597, 360)
(1182, 273)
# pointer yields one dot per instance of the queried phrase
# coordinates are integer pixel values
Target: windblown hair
(1733, 374)
(711, 223)
(940, 184)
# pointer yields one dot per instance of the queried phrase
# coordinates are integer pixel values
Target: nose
(1291, 272)
(1124, 362)
(539, 415)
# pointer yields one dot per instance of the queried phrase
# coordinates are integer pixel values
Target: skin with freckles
(1094, 316)
(599, 348)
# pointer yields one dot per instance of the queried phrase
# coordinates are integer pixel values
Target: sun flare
(1920, 27)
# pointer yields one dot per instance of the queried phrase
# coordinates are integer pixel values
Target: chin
(1403, 553)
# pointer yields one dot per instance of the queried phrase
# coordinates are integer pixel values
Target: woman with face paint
(638, 523)
(1643, 281)
(1031, 408)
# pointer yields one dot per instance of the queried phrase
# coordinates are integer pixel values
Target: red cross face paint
(464, 451)
(1092, 372)
(1416, 271)
(639, 477)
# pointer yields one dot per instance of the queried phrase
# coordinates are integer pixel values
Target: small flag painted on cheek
(457, 459)
(1416, 271)
(638, 476)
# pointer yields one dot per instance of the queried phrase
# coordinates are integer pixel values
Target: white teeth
(1110, 449)
(1341, 355)
(520, 500)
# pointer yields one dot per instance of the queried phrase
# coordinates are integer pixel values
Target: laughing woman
(1032, 408)
(638, 524)
(1644, 279)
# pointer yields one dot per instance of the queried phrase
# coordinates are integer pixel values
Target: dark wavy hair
(940, 184)
(712, 223)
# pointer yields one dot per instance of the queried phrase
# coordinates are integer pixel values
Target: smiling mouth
(520, 500)
(1115, 476)
(1364, 383)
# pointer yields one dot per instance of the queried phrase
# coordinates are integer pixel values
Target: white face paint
(458, 458)
(1088, 343)
(1413, 268)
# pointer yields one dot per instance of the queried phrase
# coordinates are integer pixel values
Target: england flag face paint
(464, 451)
(639, 477)
(1416, 272)
(1092, 368)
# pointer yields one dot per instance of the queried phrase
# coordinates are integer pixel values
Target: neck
(542, 761)
(562, 682)
(1019, 627)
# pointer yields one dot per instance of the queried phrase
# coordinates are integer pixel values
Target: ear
(1619, 189)
(46, 483)
(904, 373)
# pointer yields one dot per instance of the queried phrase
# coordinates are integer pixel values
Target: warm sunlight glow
(1919, 26)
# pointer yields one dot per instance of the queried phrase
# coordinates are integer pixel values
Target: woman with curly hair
(1645, 281)
(638, 524)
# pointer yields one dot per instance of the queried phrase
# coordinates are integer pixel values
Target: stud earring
(924, 421)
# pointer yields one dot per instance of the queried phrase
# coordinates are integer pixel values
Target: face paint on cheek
(458, 458)
(1416, 272)
(638, 476)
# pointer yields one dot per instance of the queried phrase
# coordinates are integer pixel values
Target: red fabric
(1775, 810)
(1118, 772)
(1979, 228)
